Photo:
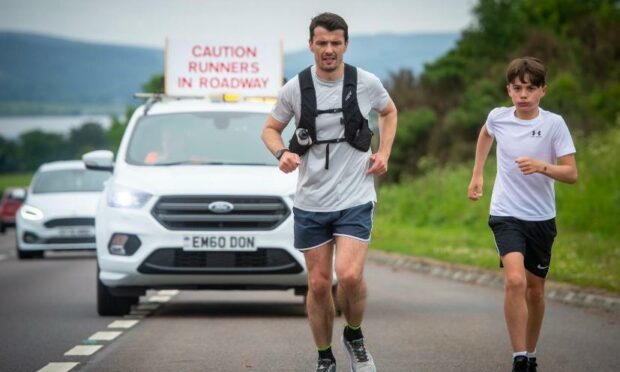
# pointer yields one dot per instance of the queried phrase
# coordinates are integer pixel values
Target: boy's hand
(475, 188)
(529, 165)
(289, 162)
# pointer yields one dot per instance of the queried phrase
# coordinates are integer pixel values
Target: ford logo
(221, 207)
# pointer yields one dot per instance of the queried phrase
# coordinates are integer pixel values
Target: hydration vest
(356, 130)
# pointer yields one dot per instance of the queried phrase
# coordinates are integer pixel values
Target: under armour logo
(536, 134)
(348, 96)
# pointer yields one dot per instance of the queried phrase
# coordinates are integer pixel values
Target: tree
(38, 147)
(88, 137)
(9, 160)
(154, 85)
(402, 88)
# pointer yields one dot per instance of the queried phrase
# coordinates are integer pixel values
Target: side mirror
(102, 160)
(18, 194)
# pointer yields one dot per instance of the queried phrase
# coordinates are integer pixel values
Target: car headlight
(31, 213)
(125, 197)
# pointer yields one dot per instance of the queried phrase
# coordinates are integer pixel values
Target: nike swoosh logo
(542, 267)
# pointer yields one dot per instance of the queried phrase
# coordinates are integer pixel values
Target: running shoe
(325, 365)
(360, 358)
(519, 364)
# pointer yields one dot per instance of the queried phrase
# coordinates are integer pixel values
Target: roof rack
(151, 99)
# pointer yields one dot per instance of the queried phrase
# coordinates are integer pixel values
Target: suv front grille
(261, 261)
(193, 213)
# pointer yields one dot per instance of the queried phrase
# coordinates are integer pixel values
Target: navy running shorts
(313, 229)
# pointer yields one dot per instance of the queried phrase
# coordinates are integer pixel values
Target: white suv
(194, 201)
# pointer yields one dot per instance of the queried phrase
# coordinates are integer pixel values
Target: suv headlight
(31, 213)
(125, 197)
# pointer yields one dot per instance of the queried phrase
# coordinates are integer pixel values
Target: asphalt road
(413, 322)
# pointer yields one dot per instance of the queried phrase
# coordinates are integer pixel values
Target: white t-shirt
(345, 184)
(546, 138)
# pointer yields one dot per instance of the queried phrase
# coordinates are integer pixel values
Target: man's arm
(564, 171)
(483, 146)
(387, 131)
(272, 137)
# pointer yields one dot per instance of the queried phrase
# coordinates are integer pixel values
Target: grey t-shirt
(345, 184)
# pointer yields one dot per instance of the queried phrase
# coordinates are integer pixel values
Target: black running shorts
(533, 239)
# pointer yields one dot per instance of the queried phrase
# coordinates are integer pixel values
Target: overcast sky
(149, 22)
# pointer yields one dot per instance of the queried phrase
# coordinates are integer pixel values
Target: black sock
(327, 354)
(351, 334)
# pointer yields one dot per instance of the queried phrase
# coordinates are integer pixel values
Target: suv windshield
(200, 138)
(69, 180)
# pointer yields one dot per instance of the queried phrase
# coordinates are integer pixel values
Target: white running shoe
(360, 358)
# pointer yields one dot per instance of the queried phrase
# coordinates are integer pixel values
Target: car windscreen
(231, 138)
(69, 180)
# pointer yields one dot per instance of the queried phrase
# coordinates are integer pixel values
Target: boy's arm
(483, 146)
(387, 132)
(564, 171)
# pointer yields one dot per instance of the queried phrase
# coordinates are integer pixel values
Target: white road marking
(84, 350)
(105, 336)
(168, 292)
(159, 298)
(58, 367)
(123, 324)
(87, 350)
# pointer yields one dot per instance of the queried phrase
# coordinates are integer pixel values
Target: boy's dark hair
(530, 67)
(331, 22)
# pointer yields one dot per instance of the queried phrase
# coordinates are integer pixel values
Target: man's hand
(529, 165)
(379, 164)
(475, 188)
(289, 162)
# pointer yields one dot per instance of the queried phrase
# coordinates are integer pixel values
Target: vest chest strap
(329, 111)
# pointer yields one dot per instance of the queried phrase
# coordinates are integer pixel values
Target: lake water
(12, 126)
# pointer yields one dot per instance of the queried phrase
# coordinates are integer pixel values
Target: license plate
(219, 243)
(76, 232)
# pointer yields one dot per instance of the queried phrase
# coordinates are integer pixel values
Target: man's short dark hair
(530, 67)
(330, 22)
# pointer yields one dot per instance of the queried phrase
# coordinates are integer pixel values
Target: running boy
(534, 148)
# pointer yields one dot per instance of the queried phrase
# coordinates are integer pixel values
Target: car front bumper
(161, 262)
(35, 236)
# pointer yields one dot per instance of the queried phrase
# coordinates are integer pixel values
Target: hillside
(43, 69)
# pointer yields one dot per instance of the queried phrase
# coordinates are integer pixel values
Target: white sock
(532, 354)
(519, 353)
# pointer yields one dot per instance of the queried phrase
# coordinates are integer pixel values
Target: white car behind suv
(59, 210)
(195, 201)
